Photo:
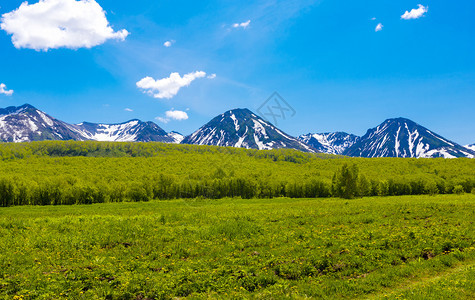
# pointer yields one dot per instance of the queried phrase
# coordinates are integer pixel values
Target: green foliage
(399, 247)
(55, 173)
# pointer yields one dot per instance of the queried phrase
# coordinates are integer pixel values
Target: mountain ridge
(27, 123)
(240, 127)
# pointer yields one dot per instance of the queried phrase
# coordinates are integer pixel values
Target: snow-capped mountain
(26, 123)
(241, 128)
(471, 147)
(131, 131)
(404, 138)
(176, 136)
(331, 142)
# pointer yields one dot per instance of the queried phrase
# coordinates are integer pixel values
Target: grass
(420, 247)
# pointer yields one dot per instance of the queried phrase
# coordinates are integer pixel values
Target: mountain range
(26, 123)
(242, 128)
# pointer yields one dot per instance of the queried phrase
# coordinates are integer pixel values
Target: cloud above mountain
(168, 87)
(4, 91)
(52, 24)
(173, 114)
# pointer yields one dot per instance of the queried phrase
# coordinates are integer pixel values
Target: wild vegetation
(53, 173)
(383, 247)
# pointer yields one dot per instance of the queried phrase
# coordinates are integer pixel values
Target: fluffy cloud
(415, 13)
(4, 91)
(52, 24)
(168, 43)
(172, 114)
(168, 87)
(176, 115)
(242, 25)
(379, 27)
(212, 76)
(128, 109)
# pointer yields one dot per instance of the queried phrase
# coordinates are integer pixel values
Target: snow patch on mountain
(470, 147)
(330, 142)
(176, 136)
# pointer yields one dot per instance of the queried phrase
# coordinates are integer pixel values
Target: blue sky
(324, 57)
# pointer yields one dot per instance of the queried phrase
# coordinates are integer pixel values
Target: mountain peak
(242, 128)
(241, 112)
(401, 120)
(16, 109)
(401, 137)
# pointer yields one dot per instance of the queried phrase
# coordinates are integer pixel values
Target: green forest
(54, 173)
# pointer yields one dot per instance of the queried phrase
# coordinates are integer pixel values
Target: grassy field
(416, 247)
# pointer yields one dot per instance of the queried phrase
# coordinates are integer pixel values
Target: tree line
(56, 173)
(346, 183)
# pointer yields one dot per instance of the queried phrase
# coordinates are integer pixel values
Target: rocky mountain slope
(331, 142)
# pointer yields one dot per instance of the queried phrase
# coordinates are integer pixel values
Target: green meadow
(400, 247)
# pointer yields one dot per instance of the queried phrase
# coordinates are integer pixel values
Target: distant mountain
(241, 128)
(131, 131)
(237, 128)
(404, 138)
(26, 123)
(331, 143)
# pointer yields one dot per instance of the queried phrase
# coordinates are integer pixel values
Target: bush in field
(431, 188)
(137, 193)
(7, 194)
(345, 182)
(458, 189)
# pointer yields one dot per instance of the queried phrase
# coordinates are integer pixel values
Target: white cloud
(242, 25)
(415, 13)
(212, 76)
(163, 120)
(169, 43)
(173, 114)
(373, 19)
(176, 115)
(379, 27)
(4, 91)
(168, 87)
(52, 24)
(128, 109)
